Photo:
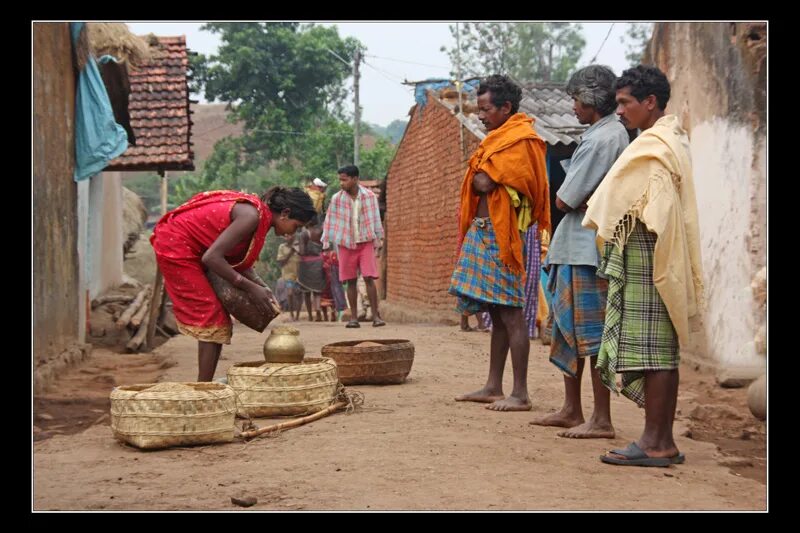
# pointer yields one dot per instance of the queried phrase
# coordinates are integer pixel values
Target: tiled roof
(159, 109)
(547, 103)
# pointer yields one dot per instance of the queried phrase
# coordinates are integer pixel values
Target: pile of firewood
(135, 317)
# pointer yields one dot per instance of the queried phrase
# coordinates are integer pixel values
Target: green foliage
(528, 51)
(395, 130)
(280, 76)
(375, 163)
(636, 37)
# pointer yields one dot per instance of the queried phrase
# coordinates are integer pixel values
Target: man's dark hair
(503, 90)
(349, 170)
(295, 199)
(643, 81)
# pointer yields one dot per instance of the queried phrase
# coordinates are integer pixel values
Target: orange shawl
(512, 155)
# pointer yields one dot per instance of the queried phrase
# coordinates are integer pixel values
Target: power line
(286, 132)
(409, 62)
(603, 43)
(385, 73)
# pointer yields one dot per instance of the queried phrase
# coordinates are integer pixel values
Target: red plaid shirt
(338, 220)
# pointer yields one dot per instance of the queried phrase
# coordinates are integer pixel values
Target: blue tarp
(419, 91)
(98, 138)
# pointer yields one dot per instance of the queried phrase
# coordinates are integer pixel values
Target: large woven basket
(284, 389)
(364, 365)
(173, 414)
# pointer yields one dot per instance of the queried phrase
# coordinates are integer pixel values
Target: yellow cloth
(652, 181)
(541, 306)
(317, 197)
(523, 207)
(512, 155)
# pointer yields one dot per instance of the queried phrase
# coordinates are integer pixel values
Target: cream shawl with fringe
(652, 181)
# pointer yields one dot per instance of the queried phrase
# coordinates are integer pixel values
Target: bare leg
(498, 350)
(352, 298)
(516, 327)
(307, 296)
(571, 413)
(207, 357)
(372, 292)
(661, 399)
(465, 323)
(599, 425)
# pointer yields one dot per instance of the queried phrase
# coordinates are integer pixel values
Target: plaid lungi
(533, 259)
(578, 308)
(638, 335)
(480, 279)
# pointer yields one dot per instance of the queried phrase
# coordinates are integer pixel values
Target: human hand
(263, 299)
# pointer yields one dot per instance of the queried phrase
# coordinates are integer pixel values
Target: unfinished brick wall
(422, 199)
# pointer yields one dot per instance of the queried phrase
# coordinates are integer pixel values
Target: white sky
(398, 51)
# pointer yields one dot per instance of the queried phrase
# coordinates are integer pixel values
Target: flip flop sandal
(353, 324)
(635, 456)
(378, 323)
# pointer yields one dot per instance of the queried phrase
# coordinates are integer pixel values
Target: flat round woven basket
(367, 365)
(160, 415)
(284, 389)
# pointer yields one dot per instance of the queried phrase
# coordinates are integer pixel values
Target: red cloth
(181, 238)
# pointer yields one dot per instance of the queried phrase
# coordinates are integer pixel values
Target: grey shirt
(602, 143)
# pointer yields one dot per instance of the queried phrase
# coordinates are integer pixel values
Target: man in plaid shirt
(353, 225)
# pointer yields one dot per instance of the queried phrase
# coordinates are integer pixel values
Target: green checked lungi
(638, 335)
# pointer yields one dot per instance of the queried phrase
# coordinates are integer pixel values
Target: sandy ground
(411, 448)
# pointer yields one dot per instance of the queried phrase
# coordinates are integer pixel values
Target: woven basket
(178, 414)
(284, 389)
(365, 365)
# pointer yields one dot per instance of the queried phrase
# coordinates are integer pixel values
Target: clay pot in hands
(284, 346)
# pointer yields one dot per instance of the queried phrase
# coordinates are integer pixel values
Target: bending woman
(221, 231)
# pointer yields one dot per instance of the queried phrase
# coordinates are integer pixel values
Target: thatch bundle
(114, 38)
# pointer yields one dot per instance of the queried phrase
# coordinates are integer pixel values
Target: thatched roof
(114, 38)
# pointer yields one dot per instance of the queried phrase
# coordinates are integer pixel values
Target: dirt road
(412, 446)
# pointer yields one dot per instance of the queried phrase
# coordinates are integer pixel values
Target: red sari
(181, 238)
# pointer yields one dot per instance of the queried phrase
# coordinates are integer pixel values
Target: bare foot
(511, 403)
(589, 430)
(480, 396)
(559, 419)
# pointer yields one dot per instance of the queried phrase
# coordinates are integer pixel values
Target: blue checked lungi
(533, 260)
(578, 309)
(480, 279)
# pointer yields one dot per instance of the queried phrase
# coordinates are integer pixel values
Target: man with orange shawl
(504, 192)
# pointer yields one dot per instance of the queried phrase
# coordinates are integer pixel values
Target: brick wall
(422, 198)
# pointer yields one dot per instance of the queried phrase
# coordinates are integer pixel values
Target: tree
(529, 51)
(395, 130)
(636, 36)
(278, 77)
(375, 162)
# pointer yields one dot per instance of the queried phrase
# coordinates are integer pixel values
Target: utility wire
(603, 43)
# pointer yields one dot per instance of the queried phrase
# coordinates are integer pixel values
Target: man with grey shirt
(579, 300)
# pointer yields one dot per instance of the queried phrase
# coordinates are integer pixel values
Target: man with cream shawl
(645, 212)
(504, 192)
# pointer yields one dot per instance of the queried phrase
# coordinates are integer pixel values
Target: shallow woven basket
(364, 365)
(203, 414)
(284, 389)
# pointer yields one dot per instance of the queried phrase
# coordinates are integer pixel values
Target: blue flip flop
(635, 456)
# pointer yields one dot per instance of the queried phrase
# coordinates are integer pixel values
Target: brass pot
(284, 346)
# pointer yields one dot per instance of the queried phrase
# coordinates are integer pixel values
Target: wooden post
(157, 300)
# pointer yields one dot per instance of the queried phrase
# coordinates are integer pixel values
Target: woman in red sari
(221, 231)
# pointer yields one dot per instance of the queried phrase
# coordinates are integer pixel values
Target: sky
(399, 51)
